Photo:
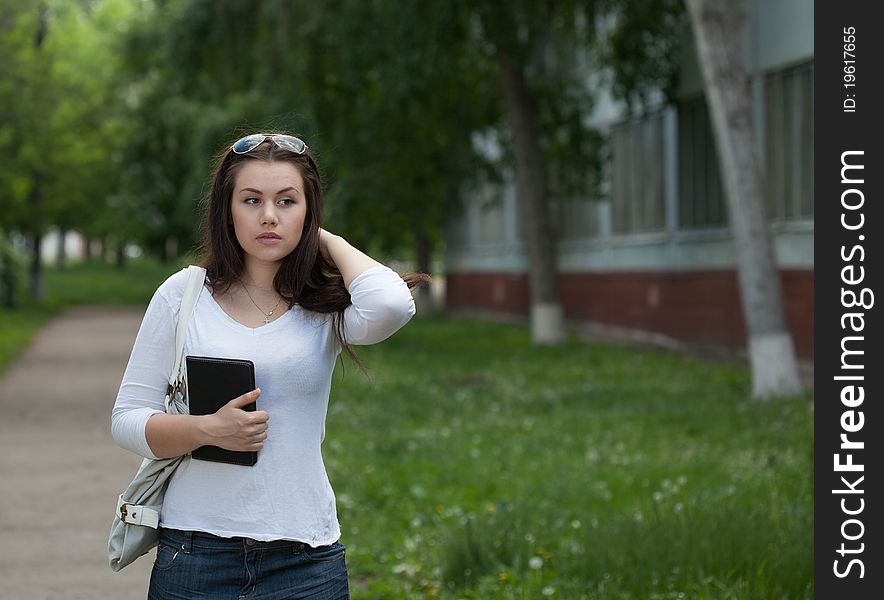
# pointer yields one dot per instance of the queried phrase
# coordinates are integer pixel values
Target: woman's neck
(259, 275)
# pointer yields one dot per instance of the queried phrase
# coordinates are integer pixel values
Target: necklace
(266, 314)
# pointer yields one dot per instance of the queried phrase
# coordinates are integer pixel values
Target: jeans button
(250, 542)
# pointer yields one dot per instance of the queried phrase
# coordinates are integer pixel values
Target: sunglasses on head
(248, 143)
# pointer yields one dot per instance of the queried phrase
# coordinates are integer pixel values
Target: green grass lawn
(17, 328)
(105, 284)
(473, 465)
(85, 283)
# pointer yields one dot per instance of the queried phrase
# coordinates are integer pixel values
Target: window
(637, 199)
(701, 198)
(490, 215)
(457, 230)
(789, 143)
(578, 219)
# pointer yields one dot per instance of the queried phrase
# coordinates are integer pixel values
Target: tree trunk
(547, 322)
(716, 26)
(36, 203)
(171, 244)
(423, 254)
(8, 281)
(61, 254)
(36, 196)
(121, 255)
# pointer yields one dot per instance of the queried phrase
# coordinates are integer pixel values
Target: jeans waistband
(200, 539)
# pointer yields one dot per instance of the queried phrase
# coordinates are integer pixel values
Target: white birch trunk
(716, 25)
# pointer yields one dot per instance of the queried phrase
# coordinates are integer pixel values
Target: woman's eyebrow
(254, 191)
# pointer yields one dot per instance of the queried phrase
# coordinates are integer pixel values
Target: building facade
(654, 252)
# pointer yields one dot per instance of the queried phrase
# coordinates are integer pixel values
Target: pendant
(266, 319)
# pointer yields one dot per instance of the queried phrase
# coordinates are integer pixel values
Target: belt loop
(188, 542)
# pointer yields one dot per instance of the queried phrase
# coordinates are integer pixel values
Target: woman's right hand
(233, 428)
(325, 237)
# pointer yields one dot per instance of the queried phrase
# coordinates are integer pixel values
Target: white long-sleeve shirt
(286, 495)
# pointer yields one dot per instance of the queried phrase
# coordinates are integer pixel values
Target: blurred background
(555, 426)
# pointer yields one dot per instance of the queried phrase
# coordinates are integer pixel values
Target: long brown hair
(304, 276)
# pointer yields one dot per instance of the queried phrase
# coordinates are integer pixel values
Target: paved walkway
(60, 471)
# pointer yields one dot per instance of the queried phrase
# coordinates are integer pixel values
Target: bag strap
(196, 277)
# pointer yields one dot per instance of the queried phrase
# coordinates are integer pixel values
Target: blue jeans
(191, 565)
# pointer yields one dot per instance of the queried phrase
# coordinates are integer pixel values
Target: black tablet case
(212, 383)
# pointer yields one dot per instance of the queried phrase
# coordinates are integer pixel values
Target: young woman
(289, 296)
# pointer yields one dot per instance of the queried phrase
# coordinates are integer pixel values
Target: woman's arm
(349, 261)
(381, 300)
(174, 435)
(231, 428)
(146, 378)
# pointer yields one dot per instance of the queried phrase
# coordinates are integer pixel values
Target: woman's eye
(251, 201)
(286, 201)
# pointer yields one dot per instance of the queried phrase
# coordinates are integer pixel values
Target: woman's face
(268, 209)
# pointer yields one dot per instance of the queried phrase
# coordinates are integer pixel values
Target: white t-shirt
(286, 495)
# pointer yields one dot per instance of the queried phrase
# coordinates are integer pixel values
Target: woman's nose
(268, 215)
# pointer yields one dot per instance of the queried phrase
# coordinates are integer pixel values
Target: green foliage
(553, 44)
(96, 284)
(23, 67)
(17, 328)
(193, 71)
(388, 109)
(400, 102)
(642, 48)
(473, 465)
(60, 130)
(103, 284)
(113, 110)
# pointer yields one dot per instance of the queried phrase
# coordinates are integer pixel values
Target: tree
(532, 47)
(36, 169)
(390, 95)
(383, 92)
(550, 59)
(397, 102)
(716, 25)
(179, 107)
(61, 117)
(86, 122)
(510, 55)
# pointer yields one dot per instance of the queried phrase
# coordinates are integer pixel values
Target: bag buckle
(133, 514)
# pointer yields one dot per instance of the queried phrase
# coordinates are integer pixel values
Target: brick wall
(701, 307)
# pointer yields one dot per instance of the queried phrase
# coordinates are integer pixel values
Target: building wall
(697, 307)
(74, 245)
(654, 252)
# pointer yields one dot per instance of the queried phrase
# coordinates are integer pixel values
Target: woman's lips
(269, 238)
